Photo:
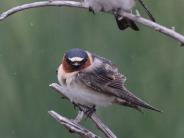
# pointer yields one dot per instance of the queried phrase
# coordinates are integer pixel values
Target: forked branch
(74, 124)
(155, 26)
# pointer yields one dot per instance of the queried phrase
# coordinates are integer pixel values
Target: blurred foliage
(32, 43)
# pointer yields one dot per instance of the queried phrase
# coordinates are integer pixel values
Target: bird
(91, 81)
(117, 7)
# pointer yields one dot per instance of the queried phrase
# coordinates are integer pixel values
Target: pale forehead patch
(76, 59)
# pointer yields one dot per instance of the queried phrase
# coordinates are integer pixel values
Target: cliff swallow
(91, 81)
(118, 7)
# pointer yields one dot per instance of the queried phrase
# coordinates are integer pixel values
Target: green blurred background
(32, 43)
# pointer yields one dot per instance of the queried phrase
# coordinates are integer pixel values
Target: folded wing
(106, 79)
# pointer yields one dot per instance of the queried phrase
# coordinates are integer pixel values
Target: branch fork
(73, 124)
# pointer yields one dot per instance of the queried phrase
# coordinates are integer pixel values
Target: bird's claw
(90, 110)
(91, 10)
(75, 106)
(62, 97)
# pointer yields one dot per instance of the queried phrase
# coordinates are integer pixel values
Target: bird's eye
(56, 71)
(84, 60)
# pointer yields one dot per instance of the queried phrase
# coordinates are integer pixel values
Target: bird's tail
(124, 23)
(147, 11)
(130, 100)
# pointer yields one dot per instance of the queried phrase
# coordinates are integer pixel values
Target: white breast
(82, 95)
(109, 5)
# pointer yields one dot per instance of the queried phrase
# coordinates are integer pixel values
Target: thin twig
(155, 26)
(38, 5)
(108, 133)
(100, 125)
(72, 126)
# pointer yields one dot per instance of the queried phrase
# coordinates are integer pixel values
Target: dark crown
(76, 53)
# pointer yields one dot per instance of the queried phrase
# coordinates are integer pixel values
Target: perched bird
(118, 7)
(92, 81)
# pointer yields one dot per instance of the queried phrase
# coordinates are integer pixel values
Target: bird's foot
(62, 97)
(90, 110)
(116, 12)
(91, 10)
(75, 106)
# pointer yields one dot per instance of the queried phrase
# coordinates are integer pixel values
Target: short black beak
(76, 64)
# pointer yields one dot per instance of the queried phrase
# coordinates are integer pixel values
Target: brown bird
(89, 80)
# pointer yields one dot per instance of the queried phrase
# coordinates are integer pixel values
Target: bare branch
(157, 27)
(100, 125)
(40, 4)
(79, 117)
(108, 133)
(72, 126)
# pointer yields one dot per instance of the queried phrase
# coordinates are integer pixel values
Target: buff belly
(86, 96)
(109, 5)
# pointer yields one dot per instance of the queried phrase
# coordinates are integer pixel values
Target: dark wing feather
(106, 79)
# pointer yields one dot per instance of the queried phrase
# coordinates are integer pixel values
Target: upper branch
(155, 26)
(40, 4)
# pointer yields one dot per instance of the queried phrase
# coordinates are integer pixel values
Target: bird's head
(75, 60)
